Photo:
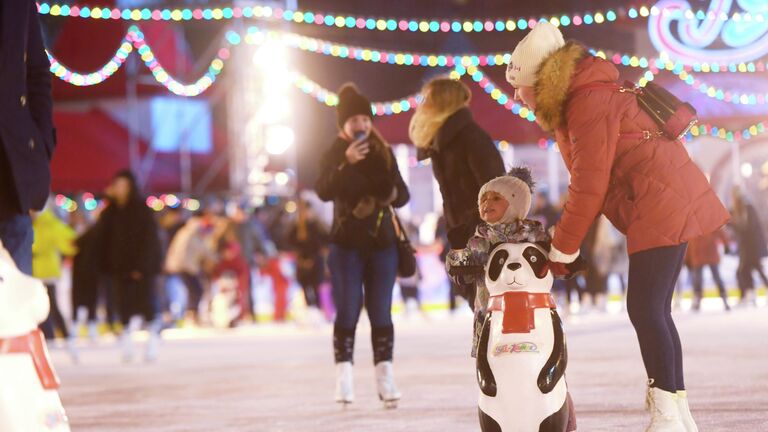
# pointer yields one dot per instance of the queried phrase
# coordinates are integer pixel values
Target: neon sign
(745, 34)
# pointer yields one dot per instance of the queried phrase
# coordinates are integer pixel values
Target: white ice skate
(93, 332)
(385, 384)
(665, 414)
(685, 412)
(345, 393)
(74, 353)
(126, 345)
(153, 346)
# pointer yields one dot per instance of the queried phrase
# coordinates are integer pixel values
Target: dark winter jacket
(131, 241)
(750, 237)
(464, 158)
(313, 244)
(650, 189)
(85, 267)
(309, 259)
(346, 184)
(26, 122)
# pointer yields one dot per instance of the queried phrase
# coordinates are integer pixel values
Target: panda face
(518, 267)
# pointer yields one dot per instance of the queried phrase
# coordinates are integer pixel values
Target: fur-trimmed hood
(564, 69)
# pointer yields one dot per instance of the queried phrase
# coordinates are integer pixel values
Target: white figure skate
(345, 393)
(385, 384)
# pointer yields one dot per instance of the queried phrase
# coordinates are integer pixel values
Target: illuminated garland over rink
(464, 65)
(135, 39)
(422, 25)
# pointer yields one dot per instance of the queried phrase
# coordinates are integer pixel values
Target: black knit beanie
(351, 103)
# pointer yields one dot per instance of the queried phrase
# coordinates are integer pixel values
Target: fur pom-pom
(524, 174)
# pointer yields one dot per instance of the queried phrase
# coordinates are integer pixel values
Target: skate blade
(389, 403)
(344, 404)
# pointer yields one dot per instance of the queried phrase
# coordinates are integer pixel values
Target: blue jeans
(354, 272)
(17, 236)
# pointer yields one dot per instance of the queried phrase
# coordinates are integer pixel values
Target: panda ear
(547, 245)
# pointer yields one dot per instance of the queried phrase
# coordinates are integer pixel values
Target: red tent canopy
(86, 158)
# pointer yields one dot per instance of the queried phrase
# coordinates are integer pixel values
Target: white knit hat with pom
(539, 43)
(516, 187)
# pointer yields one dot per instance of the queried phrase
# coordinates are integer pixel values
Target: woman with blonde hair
(463, 155)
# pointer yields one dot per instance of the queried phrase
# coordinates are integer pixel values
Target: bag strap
(399, 231)
(628, 87)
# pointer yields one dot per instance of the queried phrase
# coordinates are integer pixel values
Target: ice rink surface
(276, 378)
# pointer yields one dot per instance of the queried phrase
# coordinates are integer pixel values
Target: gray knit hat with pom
(517, 188)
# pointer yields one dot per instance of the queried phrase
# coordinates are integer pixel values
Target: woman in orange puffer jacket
(646, 184)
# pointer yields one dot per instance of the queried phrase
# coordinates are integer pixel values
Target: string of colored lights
(401, 58)
(135, 39)
(340, 21)
(494, 91)
(164, 78)
(713, 92)
(747, 133)
(330, 98)
(97, 77)
(422, 25)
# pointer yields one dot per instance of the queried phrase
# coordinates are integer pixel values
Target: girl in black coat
(360, 175)
(131, 257)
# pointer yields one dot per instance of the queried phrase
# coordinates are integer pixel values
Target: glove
(555, 256)
(568, 271)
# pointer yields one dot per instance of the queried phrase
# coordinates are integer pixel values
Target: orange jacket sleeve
(593, 131)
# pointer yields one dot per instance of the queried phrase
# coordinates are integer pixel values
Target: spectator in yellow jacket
(54, 240)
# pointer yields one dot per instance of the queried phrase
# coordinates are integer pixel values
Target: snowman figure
(522, 354)
(29, 400)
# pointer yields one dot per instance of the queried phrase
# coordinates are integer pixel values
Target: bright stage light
(279, 139)
(746, 169)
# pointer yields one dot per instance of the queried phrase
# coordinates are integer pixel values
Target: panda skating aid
(522, 353)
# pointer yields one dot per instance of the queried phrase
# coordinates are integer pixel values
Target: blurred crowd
(228, 265)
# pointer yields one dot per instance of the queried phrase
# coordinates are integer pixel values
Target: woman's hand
(357, 151)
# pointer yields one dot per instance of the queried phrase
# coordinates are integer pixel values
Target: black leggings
(652, 277)
(697, 280)
(135, 297)
(744, 275)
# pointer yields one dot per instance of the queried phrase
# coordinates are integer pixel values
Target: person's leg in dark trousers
(55, 320)
(47, 326)
(346, 266)
(125, 296)
(379, 274)
(147, 298)
(194, 291)
(697, 280)
(715, 271)
(310, 295)
(744, 278)
(111, 298)
(761, 273)
(652, 277)
(136, 299)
